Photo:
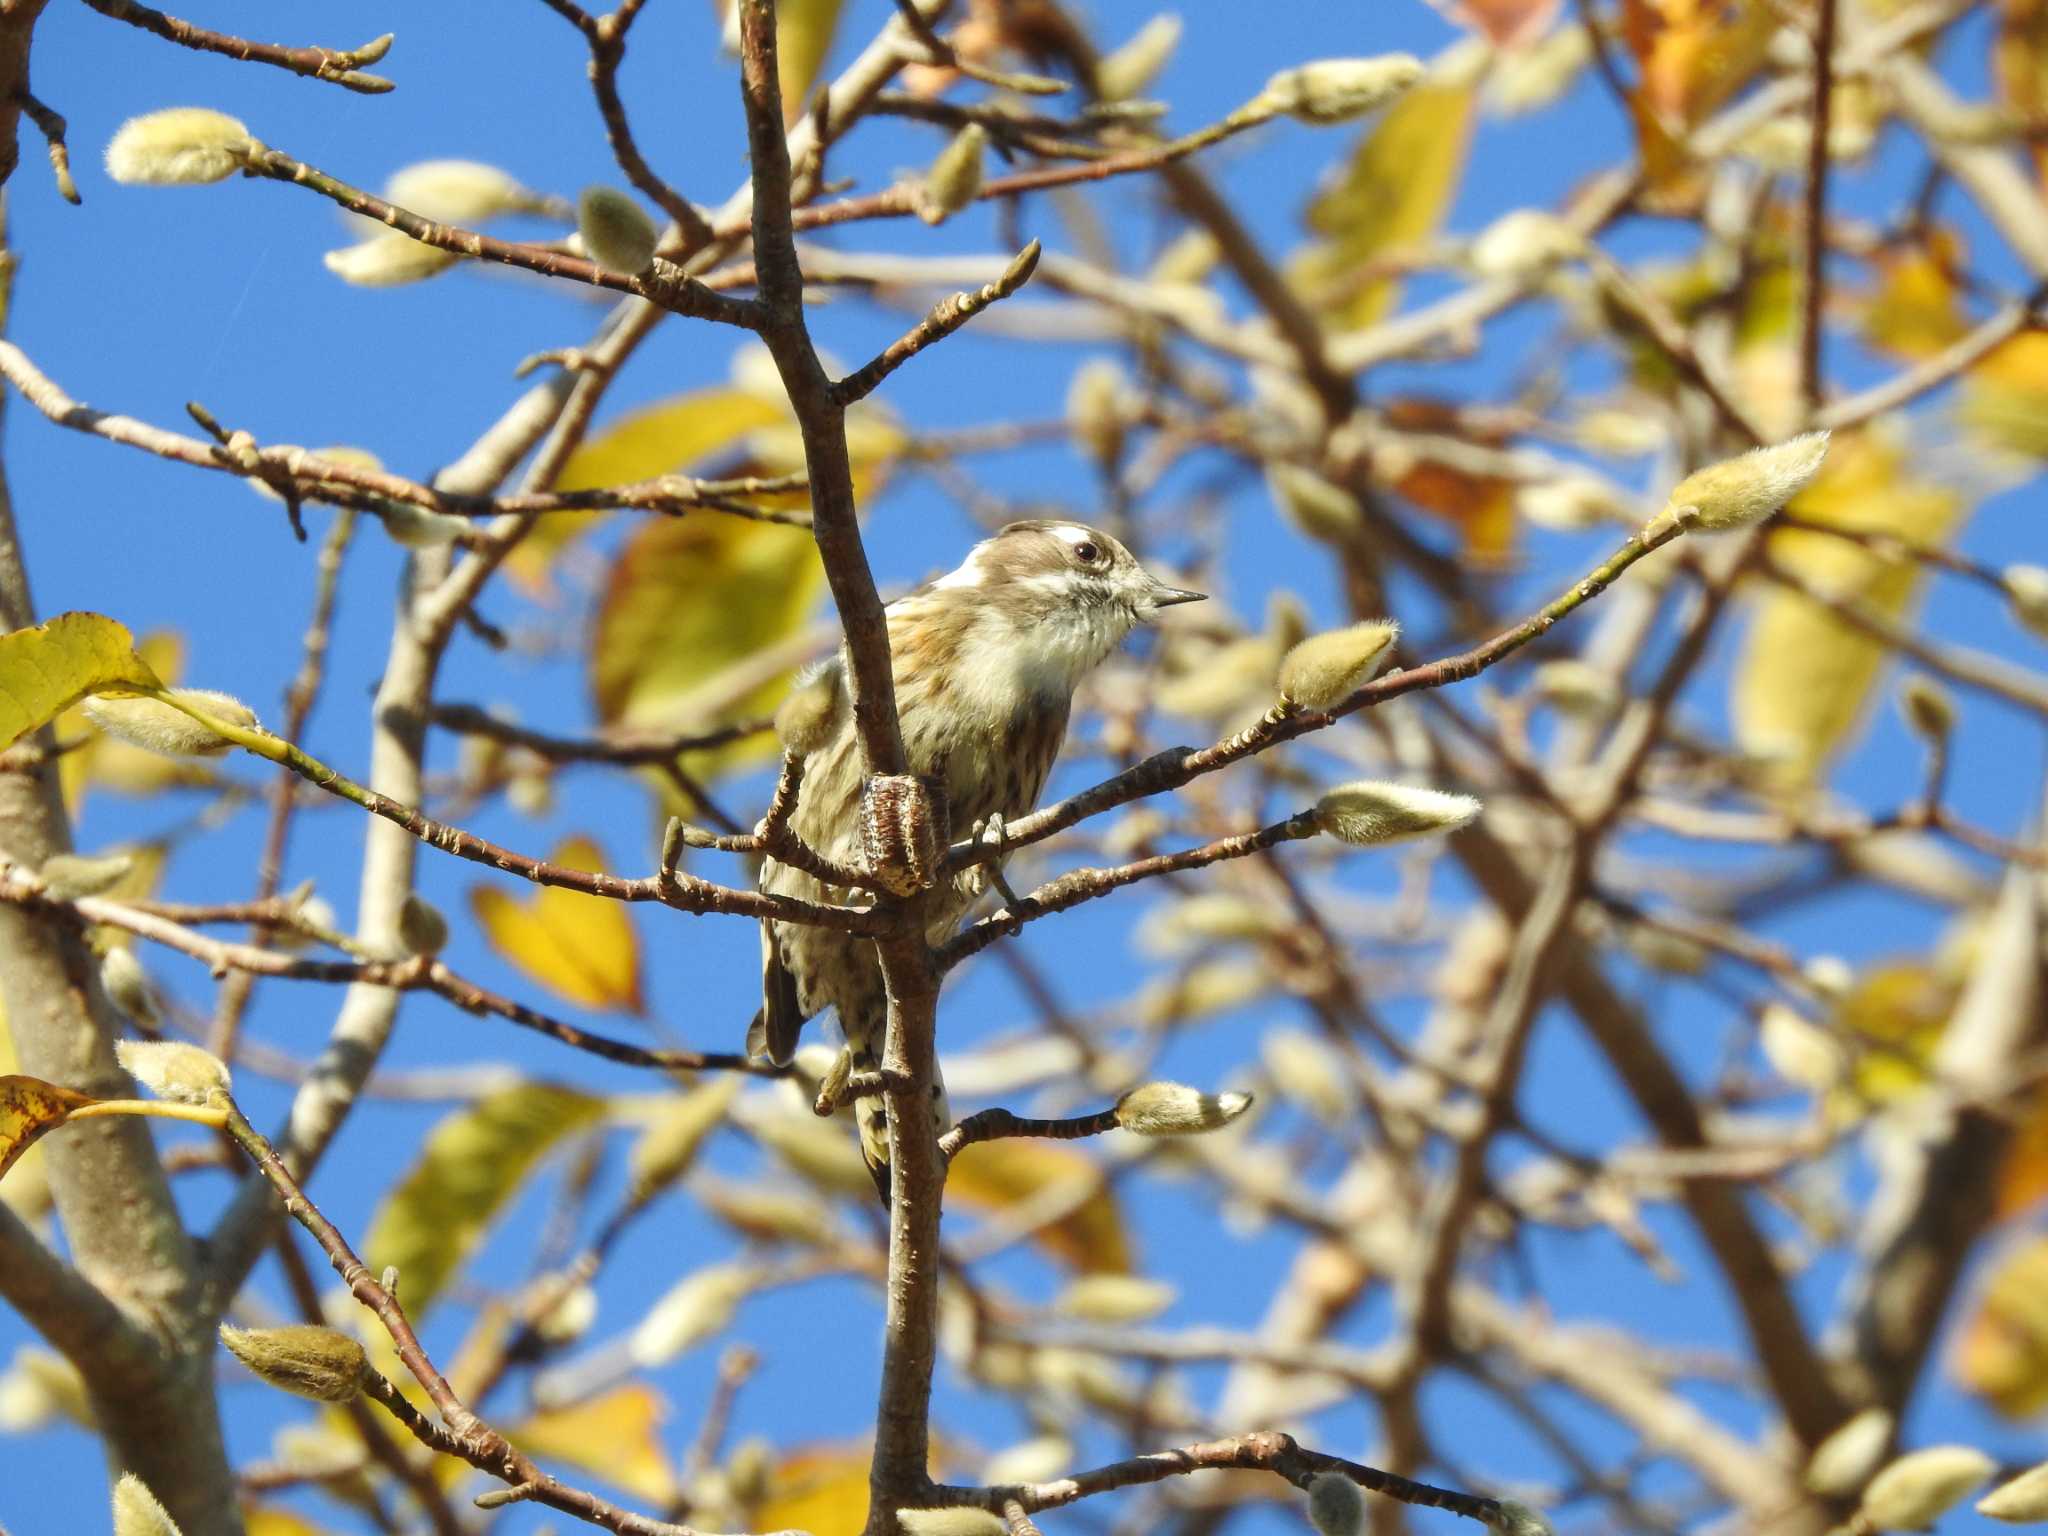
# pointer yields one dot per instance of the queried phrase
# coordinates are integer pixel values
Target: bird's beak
(1164, 596)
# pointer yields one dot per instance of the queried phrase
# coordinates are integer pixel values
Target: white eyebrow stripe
(967, 574)
(1072, 533)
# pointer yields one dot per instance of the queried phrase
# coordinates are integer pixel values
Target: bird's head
(1049, 572)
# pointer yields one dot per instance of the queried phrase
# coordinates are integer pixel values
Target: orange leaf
(1505, 23)
(823, 1490)
(2002, 1352)
(2023, 1180)
(581, 948)
(1000, 1175)
(29, 1107)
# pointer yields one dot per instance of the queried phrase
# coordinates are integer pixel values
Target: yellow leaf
(269, 1520)
(2002, 1352)
(615, 1436)
(692, 608)
(1915, 309)
(472, 1163)
(1691, 55)
(803, 36)
(1897, 1013)
(2004, 399)
(28, 1108)
(47, 669)
(27, 1191)
(1804, 675)
(823, 1490)
(1393, 196)
(581, 948)
(999, 1175)
(665, 438)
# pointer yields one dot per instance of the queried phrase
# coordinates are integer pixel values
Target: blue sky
(143, 299)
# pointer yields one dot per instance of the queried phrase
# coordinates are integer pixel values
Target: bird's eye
(1087, 552)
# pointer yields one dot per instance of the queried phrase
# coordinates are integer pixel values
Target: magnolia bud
(1738, 492)
(616, 230)
(1095, 409)
(695, 1309)
(2023, 1501)
(1569, 503)
(1519, 1519)
(1191, 257)
(171, 1069)
(1130, 69)
(1324, 670)
(421, 927)
(954, 179)
(458, 191)
(2026, 591)
(1029, 1461)
(1306, 1070)
(954, 1520)
(156, 726)
(1522, 243)
(1927, 707)
(1829, 976)
(1843, 1462)
(1911, 1493)
(305, 1359)
(1337, 90)
(68, 876)
(1115, 1299)
(810, 715)
(570, 1317)
(127, 988)
(387, 260)
(1367, 813)
(1336, 1505)
(1318, 507)
(671, 1144)
(1807, 1056)
(178, 147)
(1174, 1109)
(420, 527)
(1576, 688)
(136, 1511)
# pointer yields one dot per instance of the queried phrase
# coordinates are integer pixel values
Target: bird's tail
(871, 1114)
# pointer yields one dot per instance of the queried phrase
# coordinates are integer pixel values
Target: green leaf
(474, 1161)
(45, 670)
(803, 36)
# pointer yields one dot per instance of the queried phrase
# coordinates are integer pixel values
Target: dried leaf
(998, 1176)
(615, 1436)
(47, 669)
(473, 1162)
(30, 1107)
(1504, 23)
(582, 948)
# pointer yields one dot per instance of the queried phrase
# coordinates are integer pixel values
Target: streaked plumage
(986, 661)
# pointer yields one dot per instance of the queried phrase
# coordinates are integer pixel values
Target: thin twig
(342, 67)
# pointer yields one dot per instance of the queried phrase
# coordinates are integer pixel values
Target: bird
(985, 660)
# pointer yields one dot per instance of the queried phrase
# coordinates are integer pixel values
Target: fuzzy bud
(306, 1359)
(137, 1512)
(810, 715)
(171, 1069)
(616, 230)
(1519, 1519)
(419, 527)
(1576, 688)
(1336, 1506)
(1337, 90)
(1744, 490)
(1806, 1056)
(1915, 1490)
(68, 876)
(2026, 592)
(698, 1307)
(458, 191)
(1326, 669)
(954, 179)
(1038, 1460)
(1927, 707)
(953, 1520)
(387, 260)
(1569, 503)
(2023, 1500)
(672, 1143)
(1843, 1462)
(179, 147)
(1189, 259)
(156, 726)
(1114, 1300)
(126, 986)
(1129, 70)
(1174, 1109)
(1367, 813)
(1522, 243)
(421, 927)
(1095, 409)
(1320, 508)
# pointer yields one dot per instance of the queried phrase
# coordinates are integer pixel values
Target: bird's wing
(774, 1030)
